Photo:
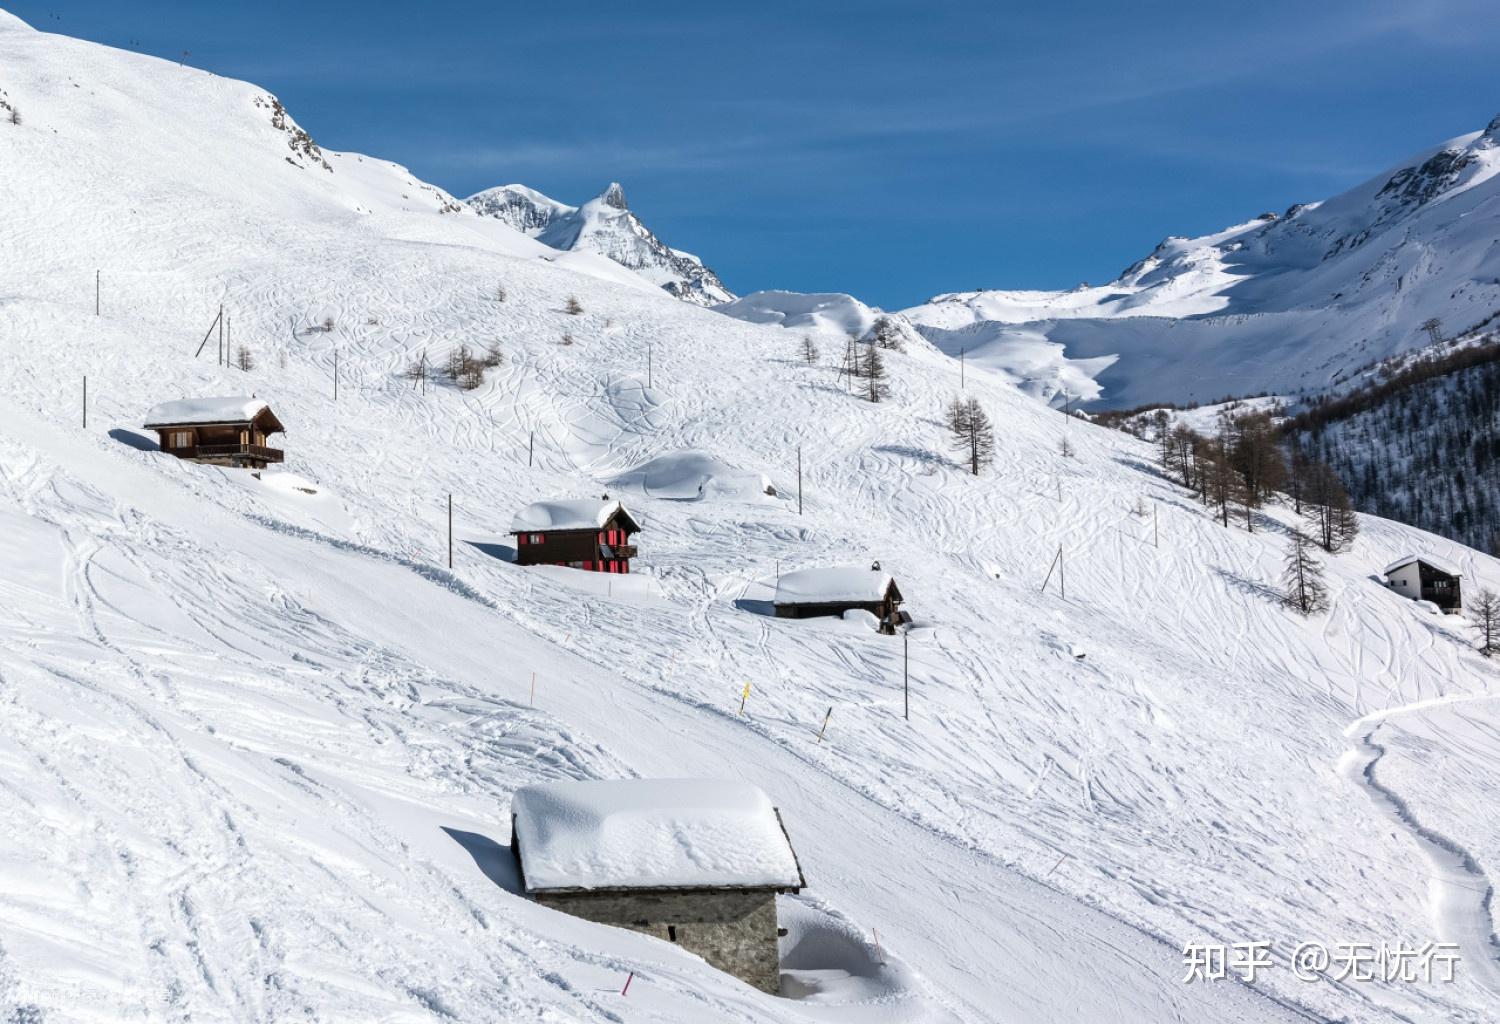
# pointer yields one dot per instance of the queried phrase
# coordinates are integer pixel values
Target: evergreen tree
(1302, 579)
(573, 306)
(809, 350)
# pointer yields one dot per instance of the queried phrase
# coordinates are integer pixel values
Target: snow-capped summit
(607, 226)
(1274, 303)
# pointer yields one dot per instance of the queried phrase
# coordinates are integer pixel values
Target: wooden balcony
(233, 453)
(623, 550)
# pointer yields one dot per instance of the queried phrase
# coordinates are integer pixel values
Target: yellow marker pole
(743, 697)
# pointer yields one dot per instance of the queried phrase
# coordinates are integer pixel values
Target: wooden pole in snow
(825, 723)
(221, 336)
(208, 334)
(626, 989)
(530, 448)
(799, 479)
(533, 689)
(1056, 563)
(450, 531)
(1062, 573)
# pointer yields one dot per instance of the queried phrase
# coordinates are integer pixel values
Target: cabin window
(537, 538)
(180, 439)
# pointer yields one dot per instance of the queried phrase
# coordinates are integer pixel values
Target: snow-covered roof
(1436, 563)
(205, 410)
(838, 583)
(576, 514)
(651, 834)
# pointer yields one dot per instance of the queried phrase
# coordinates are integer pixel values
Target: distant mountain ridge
(1291, 302)
(605, 225)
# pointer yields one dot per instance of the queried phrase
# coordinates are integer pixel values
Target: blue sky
(891, 150)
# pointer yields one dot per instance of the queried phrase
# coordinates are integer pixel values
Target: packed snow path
(1461, 895)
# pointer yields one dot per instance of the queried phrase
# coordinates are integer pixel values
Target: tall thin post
(799, 479)
(530, 448)
(221, 336)
(906, 674)
(85, 401)
(1062, 573)
(450, 531)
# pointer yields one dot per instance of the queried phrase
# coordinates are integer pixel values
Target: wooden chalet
(219, 431)
(1424, 578)
(806, 593)
(696, 862)
(593, 535)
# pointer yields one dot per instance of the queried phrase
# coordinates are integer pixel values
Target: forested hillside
(1421, 444)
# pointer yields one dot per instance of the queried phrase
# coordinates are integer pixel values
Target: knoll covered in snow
(695, 476)
(830, 313)
(605, 225)
(651, 834)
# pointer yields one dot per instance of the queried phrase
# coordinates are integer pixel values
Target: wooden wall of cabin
(563, 546)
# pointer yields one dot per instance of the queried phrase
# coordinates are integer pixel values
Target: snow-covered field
(257, 746)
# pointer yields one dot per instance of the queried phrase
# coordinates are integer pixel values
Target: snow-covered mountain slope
(1280, 303)
(830, 313)
(605, 225)
(257, 744)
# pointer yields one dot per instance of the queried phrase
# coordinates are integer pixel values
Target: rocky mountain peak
(614, 196)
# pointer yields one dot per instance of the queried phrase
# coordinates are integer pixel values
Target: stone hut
(697, 862)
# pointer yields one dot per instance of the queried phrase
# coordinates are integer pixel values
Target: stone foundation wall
(735, 931)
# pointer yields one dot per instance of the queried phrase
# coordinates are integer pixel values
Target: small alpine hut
(697, 862)
(833, 591)
(219, 431)
(1424, 578)
(586, 534)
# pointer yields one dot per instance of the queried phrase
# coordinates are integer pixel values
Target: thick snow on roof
(577, 514)
(651, 833)
(839, 583)
(1436, 563)
(205, 410)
